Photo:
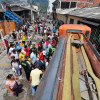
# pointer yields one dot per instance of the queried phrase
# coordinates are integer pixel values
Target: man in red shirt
(35, 29)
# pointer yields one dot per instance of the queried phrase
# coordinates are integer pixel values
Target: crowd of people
(31, 58)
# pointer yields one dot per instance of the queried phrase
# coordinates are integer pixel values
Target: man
(12, 47)
(29, 39)
(33, 57)
(15, 54)
(41, 64)
(27, 67)
(14, 35)
(33, 49)
(35, 78)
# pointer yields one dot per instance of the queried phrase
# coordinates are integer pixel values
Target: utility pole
(32, 14)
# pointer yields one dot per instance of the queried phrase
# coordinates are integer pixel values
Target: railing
(49, 82)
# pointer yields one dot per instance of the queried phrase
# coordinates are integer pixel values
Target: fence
(95, 38)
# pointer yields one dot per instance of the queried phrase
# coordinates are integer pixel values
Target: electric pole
(32, 14)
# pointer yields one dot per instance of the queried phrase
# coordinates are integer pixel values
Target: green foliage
(42, 6)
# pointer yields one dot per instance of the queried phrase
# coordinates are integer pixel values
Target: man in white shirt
(11, 49)
(35, 78)
(15, 54)
(29, 39)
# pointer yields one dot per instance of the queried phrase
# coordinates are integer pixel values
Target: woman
(12, 85)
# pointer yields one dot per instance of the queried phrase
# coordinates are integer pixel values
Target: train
(74, 71)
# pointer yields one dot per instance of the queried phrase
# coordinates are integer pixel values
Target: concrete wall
(76, 19)
(62, 17)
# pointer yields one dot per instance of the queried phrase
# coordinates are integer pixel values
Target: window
(73, 5)
(65, 5)
(87, 34)
(71, 21)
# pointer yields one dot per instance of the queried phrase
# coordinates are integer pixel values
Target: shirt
(15, 65)
(17, 46)
(11, 84)
(41, 56)
(27, 51)
(22, 56)
(23, 38)
(35, 74)
(29, 38)
(15, 55)
(33, 57)
(11, 49)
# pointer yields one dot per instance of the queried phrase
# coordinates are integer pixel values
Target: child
(15, 65)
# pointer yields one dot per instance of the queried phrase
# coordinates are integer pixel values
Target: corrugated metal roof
(92, 12)
(65, 11)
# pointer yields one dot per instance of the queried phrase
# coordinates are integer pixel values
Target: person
(54, 30)
(35, 29)
(29, 39)
(12, 47)
(15, 54)
(35, 78)
(18, 47)
(15, 65)
(23, 38)
(41, 56)
(41, 64)
(38, 29)
(33, 49)
(50, 53)
(12, 86)
(26, 49)
(27, 67)
(33, 57)
(14, 35)
(22, 55)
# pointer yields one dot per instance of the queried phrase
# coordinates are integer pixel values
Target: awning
(89, 23)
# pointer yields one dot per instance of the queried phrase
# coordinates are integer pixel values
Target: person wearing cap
(22, 55)
(35, 78)
(27, 67)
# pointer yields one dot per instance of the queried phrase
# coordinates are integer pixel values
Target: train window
(87, 34)
(78, 31)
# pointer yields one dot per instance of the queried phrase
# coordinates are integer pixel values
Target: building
(65, 6)
(6, 24)
(25, 11)
(89, 16)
